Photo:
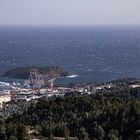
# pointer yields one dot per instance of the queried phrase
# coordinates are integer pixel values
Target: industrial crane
(38, 78)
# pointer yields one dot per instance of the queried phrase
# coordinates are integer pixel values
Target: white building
(4, 98)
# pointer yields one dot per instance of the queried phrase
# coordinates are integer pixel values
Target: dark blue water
(96, 54)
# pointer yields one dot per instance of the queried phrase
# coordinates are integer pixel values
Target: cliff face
(23, 72)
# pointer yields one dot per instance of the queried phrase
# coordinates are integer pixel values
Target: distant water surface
(95, 54)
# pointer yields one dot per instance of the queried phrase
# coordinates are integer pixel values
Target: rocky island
(23, 72)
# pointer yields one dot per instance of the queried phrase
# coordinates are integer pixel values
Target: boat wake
(72, 76)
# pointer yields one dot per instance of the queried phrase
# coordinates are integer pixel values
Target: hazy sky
(70, 12)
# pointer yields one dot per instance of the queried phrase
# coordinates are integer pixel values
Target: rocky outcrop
(23, 72)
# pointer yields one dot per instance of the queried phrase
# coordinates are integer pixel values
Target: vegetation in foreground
(86, 117)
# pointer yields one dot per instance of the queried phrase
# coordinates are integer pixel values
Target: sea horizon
(95, 54)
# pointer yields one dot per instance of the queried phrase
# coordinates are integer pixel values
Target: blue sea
(95, 54)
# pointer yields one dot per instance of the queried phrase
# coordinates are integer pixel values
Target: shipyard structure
(39, 79)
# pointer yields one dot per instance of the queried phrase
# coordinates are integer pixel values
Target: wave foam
(72, 76)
